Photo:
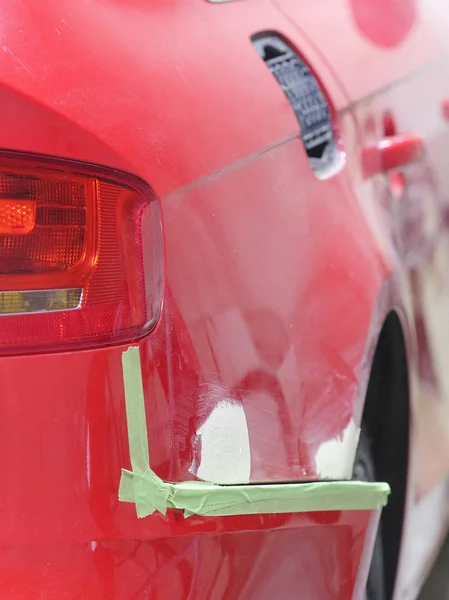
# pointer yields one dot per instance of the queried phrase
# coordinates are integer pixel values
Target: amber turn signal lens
(17, 217)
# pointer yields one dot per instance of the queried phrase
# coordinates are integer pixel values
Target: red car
(224, 297)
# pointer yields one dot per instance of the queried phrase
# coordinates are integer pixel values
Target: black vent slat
(305, 97)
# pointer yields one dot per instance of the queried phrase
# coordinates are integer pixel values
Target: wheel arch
(386, 421)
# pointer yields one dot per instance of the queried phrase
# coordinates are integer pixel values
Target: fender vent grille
(305, 97)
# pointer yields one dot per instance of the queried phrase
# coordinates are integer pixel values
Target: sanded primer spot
(225, 450)
(335, 458)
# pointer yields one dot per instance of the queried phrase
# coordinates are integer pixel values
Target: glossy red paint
(261, 558)
(277, 286)
(64, 533)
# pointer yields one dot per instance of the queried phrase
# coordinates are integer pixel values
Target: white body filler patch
(225, 450)
(335, 458)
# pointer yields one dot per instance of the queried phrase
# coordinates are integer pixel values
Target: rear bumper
(65, 535)
(320, 556)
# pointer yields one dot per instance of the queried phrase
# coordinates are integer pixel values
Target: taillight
(80, 256)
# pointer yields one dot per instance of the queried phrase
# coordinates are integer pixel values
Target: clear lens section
(35, 301)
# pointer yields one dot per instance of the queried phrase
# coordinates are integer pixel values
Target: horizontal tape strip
(150, 493)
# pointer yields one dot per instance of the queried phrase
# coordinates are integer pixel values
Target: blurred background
(437, 586)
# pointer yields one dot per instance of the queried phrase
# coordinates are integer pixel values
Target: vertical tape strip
(150, 493)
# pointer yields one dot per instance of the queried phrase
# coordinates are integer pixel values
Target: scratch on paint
(8, 51)
(181, 73)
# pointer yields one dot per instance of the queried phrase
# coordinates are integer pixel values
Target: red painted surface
(263, 558)
(386, 23)
(276, 286)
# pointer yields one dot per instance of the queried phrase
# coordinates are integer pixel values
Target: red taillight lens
(80, 256)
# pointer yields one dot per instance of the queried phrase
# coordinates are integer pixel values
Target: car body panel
(274, 156)
(65, 534)
(277, 286)
(417, 224)
(385, 41)
(250, 232)
(159, 131)
(394, 70)
(242, 558)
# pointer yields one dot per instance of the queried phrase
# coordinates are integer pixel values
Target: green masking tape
(150, 493)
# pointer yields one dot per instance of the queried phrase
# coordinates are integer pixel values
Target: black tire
(364, 471)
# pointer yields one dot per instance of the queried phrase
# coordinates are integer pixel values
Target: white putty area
(335, 458)
(225, 450)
